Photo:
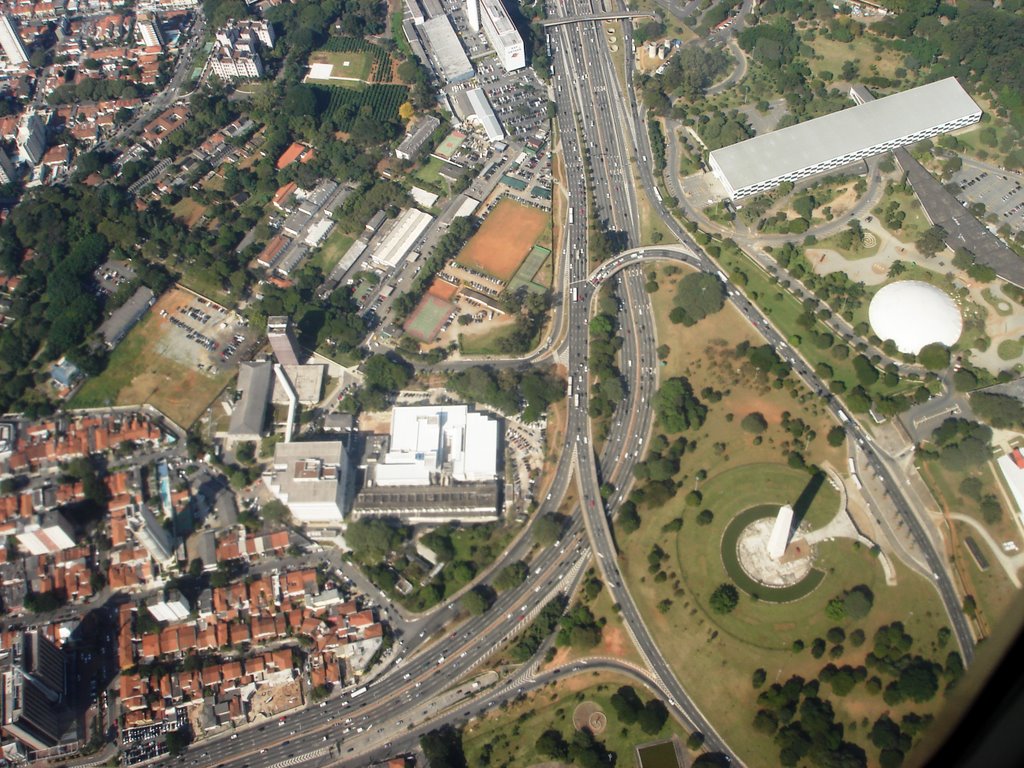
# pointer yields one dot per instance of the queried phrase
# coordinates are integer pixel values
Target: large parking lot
(1001, 192)
(518, 98)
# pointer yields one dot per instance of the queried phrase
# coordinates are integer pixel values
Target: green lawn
(510, 734)
(353, 65)
(430, 172)
(742, 472)
(333, 249)
(486, 343)
(784, 311)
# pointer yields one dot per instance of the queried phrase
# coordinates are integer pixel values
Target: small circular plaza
(753, 556)
(748, 563)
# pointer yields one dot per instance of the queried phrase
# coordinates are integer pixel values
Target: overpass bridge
(595, 17)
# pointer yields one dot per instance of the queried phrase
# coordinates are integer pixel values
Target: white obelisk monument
(779, 539)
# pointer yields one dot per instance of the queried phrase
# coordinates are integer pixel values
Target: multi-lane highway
(602, 124)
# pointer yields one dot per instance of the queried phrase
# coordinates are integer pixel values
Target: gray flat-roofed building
(124, 318)
(465, 502)
(254, 382)
(417, 137)
(447, 49)
(833, 141)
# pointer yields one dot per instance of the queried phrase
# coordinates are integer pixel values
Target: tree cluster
(528, 393)
(677, 408)
(698, 295)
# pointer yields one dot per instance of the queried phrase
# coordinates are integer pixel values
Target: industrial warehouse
(833, 141)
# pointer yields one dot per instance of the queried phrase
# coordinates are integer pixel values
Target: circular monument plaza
(747, 560)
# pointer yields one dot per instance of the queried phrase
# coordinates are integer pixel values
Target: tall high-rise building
(31, 139)
(473, 14)
(7, 172)
(11, 43)
(282, 340)
(503, 35)
(32, 692)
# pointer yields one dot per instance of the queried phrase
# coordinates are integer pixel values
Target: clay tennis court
(444, 290)
(504, 240)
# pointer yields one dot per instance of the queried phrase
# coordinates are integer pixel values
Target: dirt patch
(614, 642)
(590, 716)
(771, 411)
(272, 700)
(506, 237)
(378, 423)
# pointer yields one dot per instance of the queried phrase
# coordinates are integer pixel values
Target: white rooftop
(426, 439)
(914, 314)
(485, 114)
(791, 149)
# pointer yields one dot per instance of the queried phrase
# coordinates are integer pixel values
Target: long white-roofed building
(439, 463)
(502, 35)
(447, 50)
(480, 112)
(836, 140)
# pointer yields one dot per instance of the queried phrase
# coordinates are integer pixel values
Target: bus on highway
(570, 215)
(575, 294)
(570, 387)
(358, 692)
(657, 194)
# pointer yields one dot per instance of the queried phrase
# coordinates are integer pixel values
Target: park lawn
(915, 224)
(488, 343)
(332, 250)
(861, 50)
(615, 639)
(137, 373)
(188, 211)
(861, 252)
(652, 228)
(430, 172)
(512, 731)
(784, 310)
(992, 590)
(740, 475)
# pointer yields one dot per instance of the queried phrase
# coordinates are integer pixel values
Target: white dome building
(915, 314)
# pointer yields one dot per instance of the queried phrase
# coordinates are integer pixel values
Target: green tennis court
(426, 320)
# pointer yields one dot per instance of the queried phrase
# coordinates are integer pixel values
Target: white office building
(473, 14)
(314, 479)
(833, 141)
(502, 35)
(10, 42)
(430, 440)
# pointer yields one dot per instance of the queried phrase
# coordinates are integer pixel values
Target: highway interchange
(595, 117)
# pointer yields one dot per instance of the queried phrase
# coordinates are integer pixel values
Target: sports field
(504, 240)
(529, 269)
(443, 289)
(450, 145)
(426, 320)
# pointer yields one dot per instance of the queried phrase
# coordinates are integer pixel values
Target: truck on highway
(657, 194)
(842, 416)
(722, 277)
(569, 394)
